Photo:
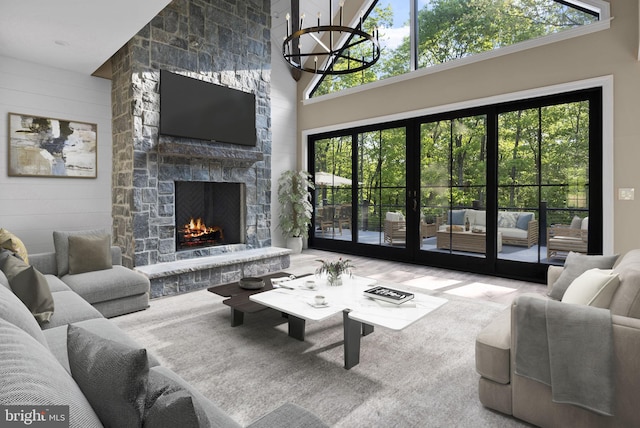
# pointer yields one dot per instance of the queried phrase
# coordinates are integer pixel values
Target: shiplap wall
(33, 208)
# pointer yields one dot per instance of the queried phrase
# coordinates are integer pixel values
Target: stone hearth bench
(180, 276)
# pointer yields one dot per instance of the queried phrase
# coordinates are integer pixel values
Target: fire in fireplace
(209, 214)
(196, 234)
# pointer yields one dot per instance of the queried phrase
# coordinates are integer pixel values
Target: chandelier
(324, 45)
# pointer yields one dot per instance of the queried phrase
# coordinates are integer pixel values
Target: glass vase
(334, 279)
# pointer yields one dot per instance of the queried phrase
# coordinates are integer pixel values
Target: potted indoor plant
(294, 197)
(334, 270)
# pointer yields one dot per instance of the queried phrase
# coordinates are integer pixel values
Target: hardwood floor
(493, 289)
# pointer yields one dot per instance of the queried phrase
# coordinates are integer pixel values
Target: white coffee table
(360, 313)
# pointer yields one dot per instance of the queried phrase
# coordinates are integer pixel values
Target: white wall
(283, 118)
(33, 207)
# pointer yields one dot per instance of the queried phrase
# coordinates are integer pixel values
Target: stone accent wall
(218, 41)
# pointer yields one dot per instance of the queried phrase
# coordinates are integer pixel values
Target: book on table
(388, 294)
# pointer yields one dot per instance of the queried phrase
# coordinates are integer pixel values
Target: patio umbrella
(327, 179)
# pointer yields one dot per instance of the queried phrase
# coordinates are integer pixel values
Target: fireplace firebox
(209, 214)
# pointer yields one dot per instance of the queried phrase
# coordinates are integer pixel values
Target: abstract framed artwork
(48, 147)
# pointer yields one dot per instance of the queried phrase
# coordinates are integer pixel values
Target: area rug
(423, 376)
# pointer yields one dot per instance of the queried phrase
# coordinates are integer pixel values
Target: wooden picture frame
(49, 147)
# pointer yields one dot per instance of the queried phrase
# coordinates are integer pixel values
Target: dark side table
(238, 298)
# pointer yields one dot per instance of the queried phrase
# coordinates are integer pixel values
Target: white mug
(320, 300)
(311, 285)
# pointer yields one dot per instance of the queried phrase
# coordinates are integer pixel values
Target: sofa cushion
(584, 225)
(55, 284)
(109, 284)
(480, 218)
(4, 253)
(169, 405)
(12, 243)
(205, 408)
(89, 253)
(61, 245)
(594, 287)
(57, 339)
(15, 312)
(626, 301)
(111, 375)
(507, 219)
(31, 375)
(31, 287)
(70, 308)
(456, 217)
(523, 220)
(575, 265)
(576, 222)
(493, 349)
(394, 216)
(4, 281)
(513, 232)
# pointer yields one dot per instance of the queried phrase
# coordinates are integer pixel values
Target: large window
(447, 30)
(500, 185)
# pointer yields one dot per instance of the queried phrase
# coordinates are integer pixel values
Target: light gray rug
(423, 376)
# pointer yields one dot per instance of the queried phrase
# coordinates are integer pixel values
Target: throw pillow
(15, 312)
(112, 376)
(594, 287)
(11, 242)
(89, 253)
(523, 220)
(576, 222)
(507, 219)
(168, 404)
(574, 266)
(61, 245)
(456, 217)
(30, 375)
(31, 287)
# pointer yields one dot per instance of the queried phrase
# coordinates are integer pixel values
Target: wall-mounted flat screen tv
(193, 108)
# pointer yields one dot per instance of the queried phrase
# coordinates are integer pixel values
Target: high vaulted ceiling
(77, 35)
(81, 35)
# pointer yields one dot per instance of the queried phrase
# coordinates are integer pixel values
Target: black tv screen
(193, 108)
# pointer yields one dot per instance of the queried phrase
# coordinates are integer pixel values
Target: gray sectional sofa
(62, 351)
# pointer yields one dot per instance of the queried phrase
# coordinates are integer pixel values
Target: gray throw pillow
(112, 376)
(576, 222)
(88, 253)
(30, 286)
(575, 265)
(61, 245)
(30, 375)
(523, 220)
(168, 405)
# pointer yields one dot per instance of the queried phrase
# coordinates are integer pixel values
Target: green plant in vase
(334, 270)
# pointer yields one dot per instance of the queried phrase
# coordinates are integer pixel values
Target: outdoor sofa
(518, 228)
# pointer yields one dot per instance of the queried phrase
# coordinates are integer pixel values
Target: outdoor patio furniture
(344, 217)
(563, 238)
(326, 218)
(395, 228)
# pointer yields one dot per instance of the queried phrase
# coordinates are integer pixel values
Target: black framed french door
(476, 190)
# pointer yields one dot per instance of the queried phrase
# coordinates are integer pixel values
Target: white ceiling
(77, 35)
(81, 35)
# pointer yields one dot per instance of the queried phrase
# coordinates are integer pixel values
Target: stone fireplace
(209, 214)
(218, 42)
